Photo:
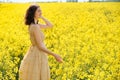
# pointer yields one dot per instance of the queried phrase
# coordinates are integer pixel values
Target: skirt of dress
(34, 65)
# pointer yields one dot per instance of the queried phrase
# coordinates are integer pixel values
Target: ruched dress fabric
(34, 65)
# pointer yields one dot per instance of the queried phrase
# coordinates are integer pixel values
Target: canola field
(86, 35)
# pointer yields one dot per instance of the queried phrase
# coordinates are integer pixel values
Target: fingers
(59, 58)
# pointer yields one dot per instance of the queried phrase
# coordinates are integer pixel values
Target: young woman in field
(34, 65)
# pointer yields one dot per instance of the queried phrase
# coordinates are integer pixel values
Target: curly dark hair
(29, 16)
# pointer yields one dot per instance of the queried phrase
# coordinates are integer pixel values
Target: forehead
(38, 8)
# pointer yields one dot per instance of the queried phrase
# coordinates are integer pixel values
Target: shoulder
(34, 27)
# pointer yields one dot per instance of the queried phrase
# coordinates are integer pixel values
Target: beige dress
(34, 65)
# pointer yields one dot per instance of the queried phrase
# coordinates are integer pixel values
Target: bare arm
(39, 42)
(47, 25)
(41, 45)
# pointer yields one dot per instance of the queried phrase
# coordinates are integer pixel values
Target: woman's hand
(58, 58)
(40, 16)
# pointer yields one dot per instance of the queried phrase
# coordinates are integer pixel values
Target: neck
(35, 20)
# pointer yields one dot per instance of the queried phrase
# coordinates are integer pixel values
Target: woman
(34, 65)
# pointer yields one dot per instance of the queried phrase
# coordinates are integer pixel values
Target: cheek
(36, 14)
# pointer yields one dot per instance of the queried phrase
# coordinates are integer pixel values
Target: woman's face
(38, 13)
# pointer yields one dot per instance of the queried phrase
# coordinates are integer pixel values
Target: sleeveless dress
(34, 65)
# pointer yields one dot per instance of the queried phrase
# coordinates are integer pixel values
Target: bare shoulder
(34, 26)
